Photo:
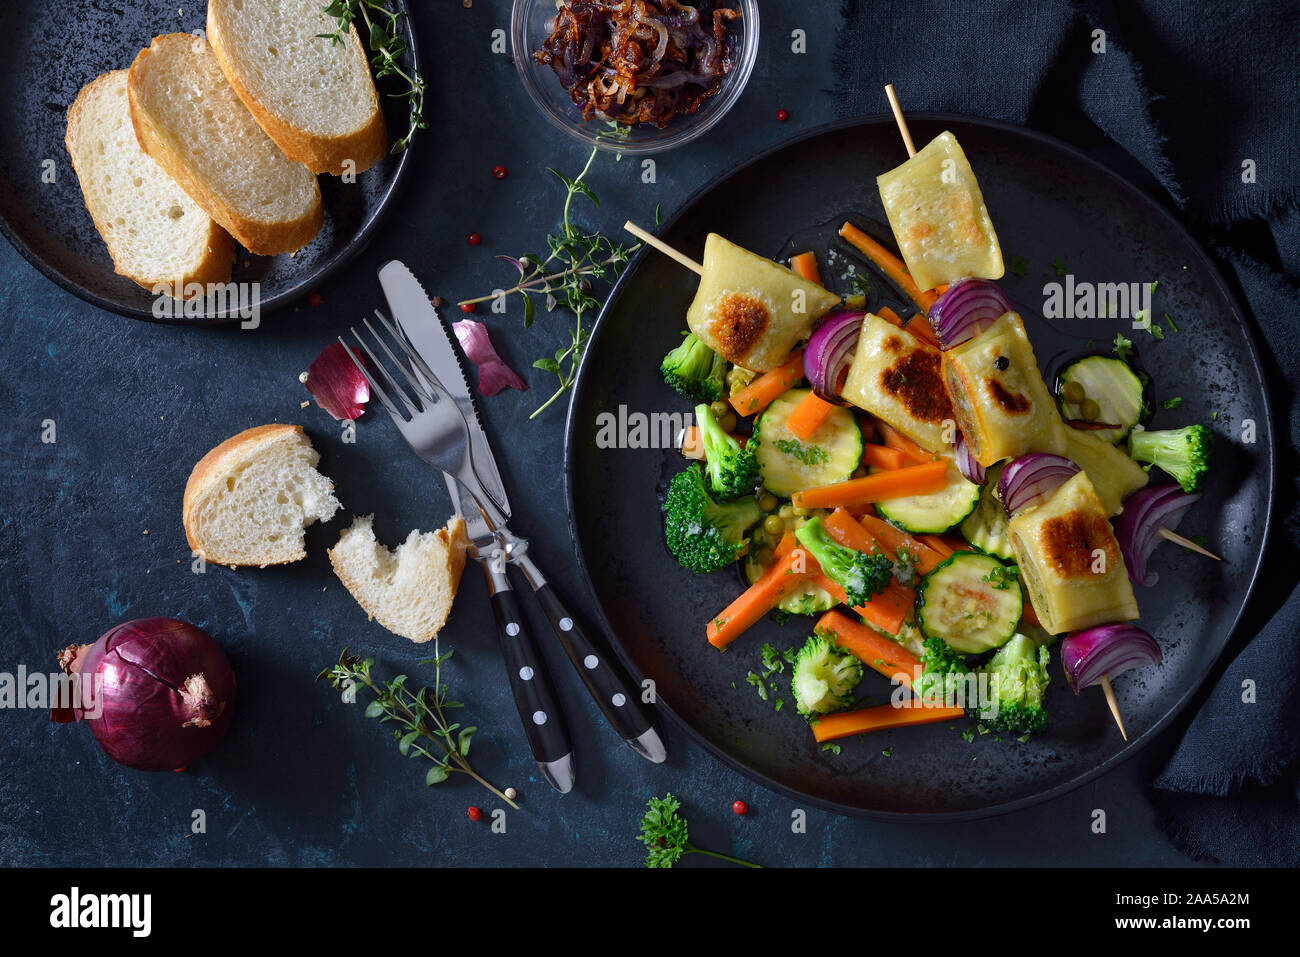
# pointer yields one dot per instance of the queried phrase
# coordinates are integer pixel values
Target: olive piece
(774, 525)
(1073, 393)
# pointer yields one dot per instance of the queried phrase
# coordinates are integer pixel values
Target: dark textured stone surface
(302, 780)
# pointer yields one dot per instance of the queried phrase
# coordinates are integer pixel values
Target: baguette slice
(189, 119)
(155, 233)
(315, 98)
(249, 499)
(409, 591)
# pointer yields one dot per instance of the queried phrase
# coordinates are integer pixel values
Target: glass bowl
(528, 30)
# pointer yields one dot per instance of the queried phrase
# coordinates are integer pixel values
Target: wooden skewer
(1114, 705)
(1187, 543)
(898, 118)
(663, 247)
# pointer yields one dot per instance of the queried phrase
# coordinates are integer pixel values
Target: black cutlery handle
(539, 710)
(616, 697)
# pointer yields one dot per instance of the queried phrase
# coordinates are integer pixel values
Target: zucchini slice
(808, 599)
(937, 511)
(1116, 388)
(789, 464)
(986, 527)
(971, 602)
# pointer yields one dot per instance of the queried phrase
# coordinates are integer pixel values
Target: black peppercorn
(1002, 362)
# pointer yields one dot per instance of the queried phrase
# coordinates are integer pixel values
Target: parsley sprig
(666, 835)
(386, 52)
(578, 258)
(420, 716)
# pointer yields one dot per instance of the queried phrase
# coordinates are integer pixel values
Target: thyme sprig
(420, 716)
(577, 260)
(387, 50)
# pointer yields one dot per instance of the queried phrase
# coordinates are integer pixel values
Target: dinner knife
(617, 699)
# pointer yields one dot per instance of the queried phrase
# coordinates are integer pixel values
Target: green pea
(768, 502)
(766, 556)
(1091, 410)
(719, 409)
(774, 526)
(1073, 393)
(786, 511)
(727, 422)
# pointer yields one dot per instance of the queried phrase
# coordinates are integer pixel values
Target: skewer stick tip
(898, 118)
(1187, 543)
(652, 240)
(1114, 705)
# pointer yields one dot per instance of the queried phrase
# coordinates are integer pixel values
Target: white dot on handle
(526, 673)
(566, 624)
(590, 662)
(619, 700)
(512, 629)
(539, 717)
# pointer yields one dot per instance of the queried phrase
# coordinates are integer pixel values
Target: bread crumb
(146, 531)
(304, 405)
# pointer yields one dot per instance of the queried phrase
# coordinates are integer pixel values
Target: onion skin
(337, 384)
(967, 464)
(1137, 529)
(165, 692)
(1105, 651)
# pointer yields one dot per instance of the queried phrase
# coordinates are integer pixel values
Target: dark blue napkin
(1205, 98)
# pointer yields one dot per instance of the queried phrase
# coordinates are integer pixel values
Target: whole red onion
(163, 692)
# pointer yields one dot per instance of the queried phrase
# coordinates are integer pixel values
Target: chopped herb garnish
(859, 285)
(832, 747)
(1123, 347)
(1173, 403)
(888, 752)
(1002, 576)
(1171, 322)
(968, 735)
(1018, 265)
(807, 454)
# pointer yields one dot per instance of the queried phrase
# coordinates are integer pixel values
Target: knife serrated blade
(420, 322)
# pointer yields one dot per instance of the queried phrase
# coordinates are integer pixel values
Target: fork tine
(417, 360)
(361, 367)
(421, 390)
(381, 372)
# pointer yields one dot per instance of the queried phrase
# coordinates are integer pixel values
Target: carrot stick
(693, 443)
(848, 723)
(760, 393)
(872, 648)
(927, 559)
(786, 545)
(883, 457)
(805, 266)
(889, 609)
(889, 264)
(918, 325)
(938, 544)
(761, 597)
(899, 483)
(808, 415)
(897, 440)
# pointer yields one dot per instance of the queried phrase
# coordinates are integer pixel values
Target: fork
(429, 419)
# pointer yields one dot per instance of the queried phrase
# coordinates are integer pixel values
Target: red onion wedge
(493, 373)
(830, 350)
(967, 463)
(337, 384)
(158, 693)
(967, 309)
(1104, 652)
(1032, 476)
(1147, 511)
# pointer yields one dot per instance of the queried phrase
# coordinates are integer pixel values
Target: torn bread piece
(410, 590)
(249, 500)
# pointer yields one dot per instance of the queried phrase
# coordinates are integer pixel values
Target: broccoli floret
(861, 575)
(705, 535)
(1183, 453)
(943, 671)
(824, 677)
(695, 370)
(1017, 677)
(732, 468)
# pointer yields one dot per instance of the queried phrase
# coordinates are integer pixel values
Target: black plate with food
(56, 49)
(1061, 219)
